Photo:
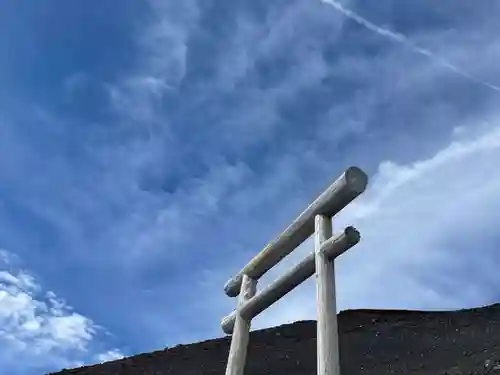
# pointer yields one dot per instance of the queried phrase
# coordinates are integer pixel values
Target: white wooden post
(327, 331)
(241, 333)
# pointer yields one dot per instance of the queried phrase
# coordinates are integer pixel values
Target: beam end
(356, 179)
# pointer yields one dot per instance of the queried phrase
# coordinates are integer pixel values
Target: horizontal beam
(338, 195)
(332, 248)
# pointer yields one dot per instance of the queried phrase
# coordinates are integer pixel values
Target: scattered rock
(372, 342)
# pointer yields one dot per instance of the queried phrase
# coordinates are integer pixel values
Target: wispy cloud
(400, 38)
(39, 331)
(162, 45)
(208, 135)
(268, 137)
(110, 355)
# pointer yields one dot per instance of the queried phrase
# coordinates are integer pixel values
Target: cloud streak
(400, 38)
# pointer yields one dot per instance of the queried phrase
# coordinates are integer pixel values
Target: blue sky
(150, 148)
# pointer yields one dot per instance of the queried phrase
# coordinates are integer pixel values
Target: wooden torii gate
(317, 220)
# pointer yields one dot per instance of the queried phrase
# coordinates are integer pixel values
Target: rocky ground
(372, 342)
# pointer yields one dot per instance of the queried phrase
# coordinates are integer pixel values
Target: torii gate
(316, 219)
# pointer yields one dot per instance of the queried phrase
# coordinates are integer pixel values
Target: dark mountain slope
(372, 342)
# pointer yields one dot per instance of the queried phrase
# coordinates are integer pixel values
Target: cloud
(230, 120)
(400, 38)
(428, 235)
(271, 133)
(110, 355)
(162, 45)
(38, 330)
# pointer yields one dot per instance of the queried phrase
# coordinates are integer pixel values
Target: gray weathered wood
(338, 195)
(332, 248)
(327, 331)
(239, 341)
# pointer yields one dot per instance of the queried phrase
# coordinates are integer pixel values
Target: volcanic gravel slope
(372, 342)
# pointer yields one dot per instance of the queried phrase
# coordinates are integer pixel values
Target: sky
(149, 149)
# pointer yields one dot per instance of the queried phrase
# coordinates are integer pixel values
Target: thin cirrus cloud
(400, 38)
(224, 123)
